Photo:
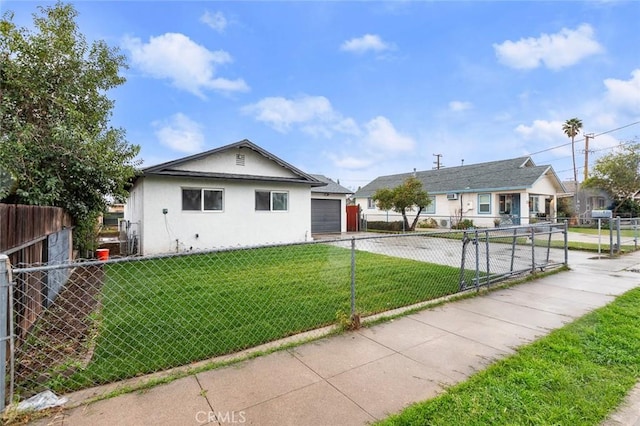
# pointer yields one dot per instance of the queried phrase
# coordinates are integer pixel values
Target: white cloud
(180, 133)
(314, 115)
(554, 51)
(382, 134)
(375, 140)
(457, 106)
(188, 65)
(368, 42)
(215, 20)
(625, 94)
(350, 162)
(542, 130)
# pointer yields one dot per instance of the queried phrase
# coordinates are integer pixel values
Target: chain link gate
(499, 253)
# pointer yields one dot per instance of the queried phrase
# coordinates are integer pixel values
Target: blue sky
(354, 90)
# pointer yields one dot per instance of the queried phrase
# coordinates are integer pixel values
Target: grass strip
(574, 376)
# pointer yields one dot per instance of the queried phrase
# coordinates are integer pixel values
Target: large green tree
(617, 173)
(403, 198)
(56, 143)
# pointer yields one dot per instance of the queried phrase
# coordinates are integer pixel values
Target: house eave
(231, 176)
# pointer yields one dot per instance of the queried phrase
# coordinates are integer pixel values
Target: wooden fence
(31, 235)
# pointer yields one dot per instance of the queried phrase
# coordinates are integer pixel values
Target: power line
(580, 140)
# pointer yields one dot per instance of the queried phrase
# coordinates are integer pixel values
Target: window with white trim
(371, 203)
(431, 208)
(484, 203)
(272, 201)
(202, 199)
(534, 204)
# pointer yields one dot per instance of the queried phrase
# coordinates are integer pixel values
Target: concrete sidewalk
(362, 376)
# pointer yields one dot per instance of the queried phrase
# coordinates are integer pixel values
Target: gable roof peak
(244, 143)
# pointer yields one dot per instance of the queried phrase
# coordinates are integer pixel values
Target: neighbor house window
(272, 201)
(506, 204)
(201, 199)
(534, 204)
(484, 203)
(431, 208)
(371, 203)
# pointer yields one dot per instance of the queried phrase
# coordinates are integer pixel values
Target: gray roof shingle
(503, 175)
(331, 187)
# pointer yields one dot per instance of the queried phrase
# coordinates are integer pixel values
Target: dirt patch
(61, 341)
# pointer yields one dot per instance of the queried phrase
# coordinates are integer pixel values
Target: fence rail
(131, 316)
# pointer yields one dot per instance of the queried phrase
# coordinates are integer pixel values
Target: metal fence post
(5, 285)
(486, 236)
(353, 277)
(618, 234)
(533, 250)
(477, 244)
(610, 237)
(566, 243)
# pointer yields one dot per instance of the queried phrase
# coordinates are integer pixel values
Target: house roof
(331, 186)
(170, 168)
(503, 175)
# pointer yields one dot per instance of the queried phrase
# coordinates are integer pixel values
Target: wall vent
(239, 159)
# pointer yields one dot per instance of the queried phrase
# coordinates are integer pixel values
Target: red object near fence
(353, 218)
(103, 254)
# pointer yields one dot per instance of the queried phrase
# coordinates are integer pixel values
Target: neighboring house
(328, 206)
(587, 199)
(511, 191)
(236, 195)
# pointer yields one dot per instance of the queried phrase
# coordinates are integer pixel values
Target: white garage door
(325, 216)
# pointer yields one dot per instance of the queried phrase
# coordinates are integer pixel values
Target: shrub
(428, 223)
(385, 226)
(463, 224)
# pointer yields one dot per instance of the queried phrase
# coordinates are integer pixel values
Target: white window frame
(504, 201)
(202, 196)
(431, 208)
(487, 203)
(271, 200)
(371, 204)
(534, 204)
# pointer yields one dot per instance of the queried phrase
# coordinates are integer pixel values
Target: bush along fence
(126, 317)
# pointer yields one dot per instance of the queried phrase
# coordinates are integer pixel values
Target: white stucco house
(512, 192)
(236, 195)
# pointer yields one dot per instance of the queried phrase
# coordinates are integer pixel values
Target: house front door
(509, 205)
(515, 212)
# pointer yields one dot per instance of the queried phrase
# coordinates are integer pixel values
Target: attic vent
(239, 159)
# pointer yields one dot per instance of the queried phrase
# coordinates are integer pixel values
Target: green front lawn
(575, 376)
(168, 312)
(604, 230)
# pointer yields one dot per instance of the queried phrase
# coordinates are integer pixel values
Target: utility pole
(437, 162)
(587, 136)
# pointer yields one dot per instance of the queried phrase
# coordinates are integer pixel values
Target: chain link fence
(126, 317)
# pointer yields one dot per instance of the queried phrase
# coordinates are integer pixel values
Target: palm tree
(571, 128)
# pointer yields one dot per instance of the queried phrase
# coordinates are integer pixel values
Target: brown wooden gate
(353, 218)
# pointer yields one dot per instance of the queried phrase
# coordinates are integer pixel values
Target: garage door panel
(325, 216)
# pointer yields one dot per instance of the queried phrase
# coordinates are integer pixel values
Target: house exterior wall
(238, 224)
(343, 206)
(134, 212)
(226, 162)
(447, 210)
